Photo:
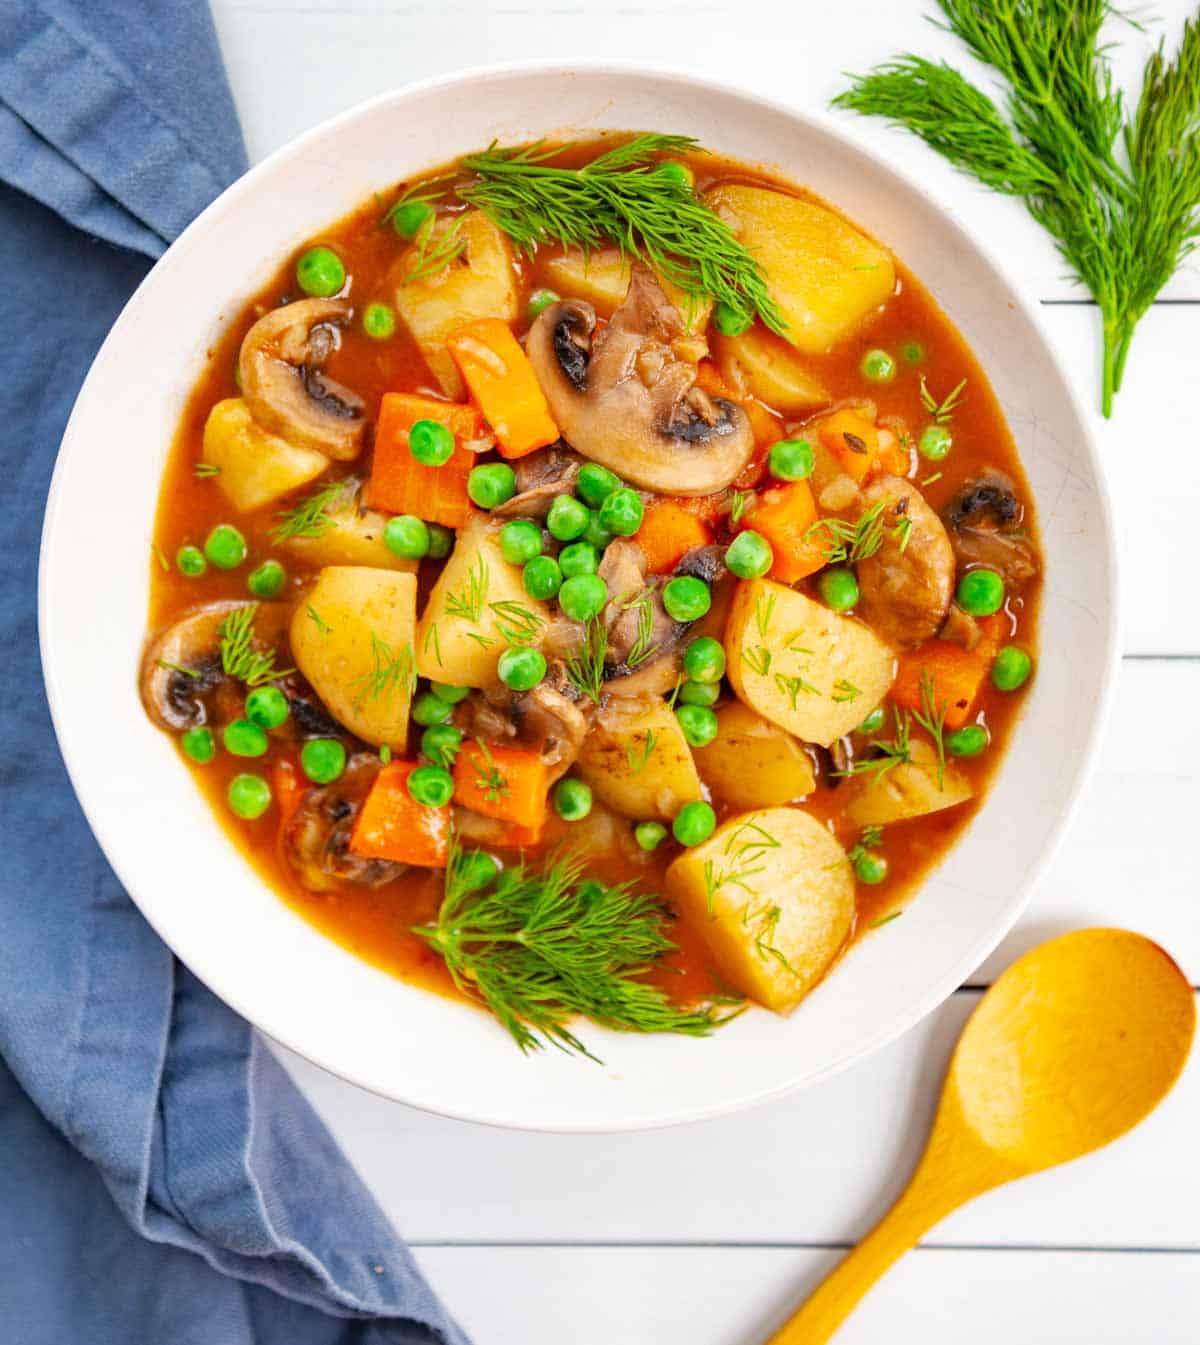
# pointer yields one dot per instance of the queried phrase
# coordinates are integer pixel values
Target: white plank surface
(820, 1167)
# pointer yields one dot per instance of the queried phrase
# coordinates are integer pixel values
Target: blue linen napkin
(161, 1180)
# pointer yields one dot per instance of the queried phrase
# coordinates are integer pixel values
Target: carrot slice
(668, 532)
(391, 824)
(504, 386)
(784, 516)
(956, 674)
(289, 787)
(854, 442)
(402, 485)
(503, 782)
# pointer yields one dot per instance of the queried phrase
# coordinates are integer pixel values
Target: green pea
(190, 560)
(449, 693)
(320, 272)
(491, 484)
(699, 693)
(200, 745)
(267, 707)
(870, 868)
(578, 558)
(440, 743)
(694, 822)
(323, 760)
(583, 596)
(649, 835)
(267, 580)
(749, 555)
(542, 577)
(539, 301)
(730, 321)
(678, 174)
(441, 541)
(595, 484)
(379, 322)
(567, 518)
(874, 721)
(838, 589)
(934, 443)
(1011, 668)
(572, 799)
(431, 443)
(244, 739)
(699, 724)
(521, 668)
(476, 869)
(968, 741)
(408, 218)
(878, 366)
(913, 352)
(622, 512)
(430, 709)
(980, 592)
(520, 540)
(686, 598)
(704, 660)
(791, 459)
(225, 547)
(431, 786)
(249, 796)
(596, 533)
(406, 536)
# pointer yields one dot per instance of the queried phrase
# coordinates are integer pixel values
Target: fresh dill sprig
(434, 250)
(932, 718)
(1123, 221)
(849, 542)
(517, 623)
(636, 757)
(888, 753)
(318, 620)
(467, 602)
(844, 691)
(240, 658)
(942, 411)
(626, 197)
(202, 469)
(643, 646)
(392, 671)
(585, 667)
(310, 517)
(540, 948)
(490, 780)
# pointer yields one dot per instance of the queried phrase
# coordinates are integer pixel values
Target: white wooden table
(707, 1234)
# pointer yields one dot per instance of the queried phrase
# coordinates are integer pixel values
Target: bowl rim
(940, 987)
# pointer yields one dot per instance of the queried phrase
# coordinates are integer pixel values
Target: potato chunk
(637, 760)
(772, 894)
(752, 763)
(760, 363)
(602, 278)
(825, 276)
(357, 651)
(476, 609)
(478, 283)
(255, 467)
(908, 790)
(354, 537)
(805, 668)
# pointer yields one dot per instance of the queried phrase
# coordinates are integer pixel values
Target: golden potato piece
(752, 763)
(479, 283)
(910, 789)
(354, 537)
(602, 278)
(772, 894)
(638, 761)
(760, 363)
(352, 637)
(476, 609)
(824, 274)
(807, 669)
(255, 467)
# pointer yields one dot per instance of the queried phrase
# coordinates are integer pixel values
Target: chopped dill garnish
(845, 691)
(467, 602)
(393, 671)
(850, 542)
(932, 718)
(763, 612)
(888, 754)
(638, 759)
(903, 531)
(540, 948)
(385, 754)
(157, 552)
(517, 623)
(585, 667)
(309, 518)
(929, 480)
(943, 410)
(885, 920)
(793, 686)
(642, 648)
(239, 657)
(315, 617)
(489, 778)
(757, 659)
(868, 840)
(177, 668)
(739, 502)
(428, 190)
(744, 849)
(203, 469)
(434, 251)
(433, 639)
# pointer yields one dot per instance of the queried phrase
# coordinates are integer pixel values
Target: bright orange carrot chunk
(288, 786)
(956, 675)
(784, 516)
(669, 531)
(854, 442)
(504, 386)
(391, 824)
(402, 485)
(503, 782)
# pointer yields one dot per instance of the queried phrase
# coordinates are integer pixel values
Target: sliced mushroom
(623, 398)
(960, 628)
(541, 478)
(546, 720)
(182, 682)
(985, 520)
(316, 840)
(280, 371)
(907, 584)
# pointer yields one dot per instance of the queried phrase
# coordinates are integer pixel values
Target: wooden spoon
(1076, 1042)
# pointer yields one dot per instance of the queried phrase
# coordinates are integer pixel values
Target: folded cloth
(161, 1180)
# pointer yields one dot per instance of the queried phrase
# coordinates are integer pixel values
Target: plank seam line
(1091, 303)
(1160, 658)
(1062, 1248)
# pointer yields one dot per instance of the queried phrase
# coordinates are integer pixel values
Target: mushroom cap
(280, 372)
(625, 400)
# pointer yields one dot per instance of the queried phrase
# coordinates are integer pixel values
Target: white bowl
(235, 933)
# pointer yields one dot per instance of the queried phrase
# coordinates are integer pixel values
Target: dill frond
(240, 656)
